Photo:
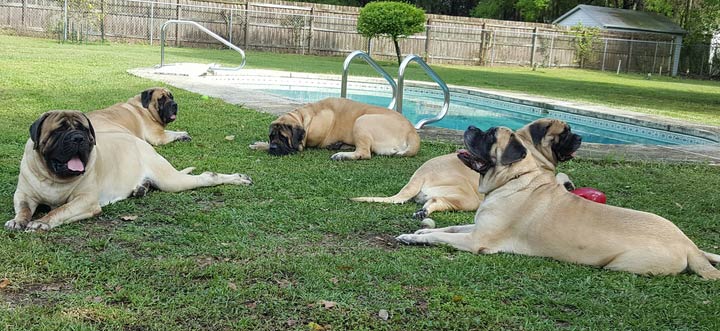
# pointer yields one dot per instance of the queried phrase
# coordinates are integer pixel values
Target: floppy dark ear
(298, 135)
(90, 127)
(273, 129)
(36, 129)
(538, 131)
(145, 97)
(514, 151)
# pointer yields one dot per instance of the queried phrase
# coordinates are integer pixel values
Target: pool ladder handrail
(207, 31)
(434, 76)
(372, 63)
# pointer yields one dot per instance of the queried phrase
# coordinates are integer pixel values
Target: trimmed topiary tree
(394, 20)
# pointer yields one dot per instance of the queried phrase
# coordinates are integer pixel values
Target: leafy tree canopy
(390, 19)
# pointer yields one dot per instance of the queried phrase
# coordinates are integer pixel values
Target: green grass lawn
(265, 257)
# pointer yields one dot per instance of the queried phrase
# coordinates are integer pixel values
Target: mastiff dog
(527, 212)
(335, 123)
(75, 171)
(445, 183)
(145, 116)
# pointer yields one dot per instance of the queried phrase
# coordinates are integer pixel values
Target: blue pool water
(466, 109)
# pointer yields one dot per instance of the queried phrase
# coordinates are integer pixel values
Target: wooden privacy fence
(329, 30)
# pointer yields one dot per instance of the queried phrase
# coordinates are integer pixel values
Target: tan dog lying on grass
(76, 171)
(336, 122)
(445, 183)
(527, 212)
(145, 116)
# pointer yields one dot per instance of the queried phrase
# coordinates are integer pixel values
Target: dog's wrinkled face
(554, 139)
(64, 139)
(160, 101)
(285, 139)
(486, 150)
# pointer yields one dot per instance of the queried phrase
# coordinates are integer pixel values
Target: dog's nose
(77, 139)
(273, 146)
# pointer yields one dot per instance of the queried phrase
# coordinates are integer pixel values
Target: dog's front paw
(241, 179)
(260, 146)
(14, 225)
(409, 239)
(37, 226)
(340, 156)
(420, 214)
(183, 136)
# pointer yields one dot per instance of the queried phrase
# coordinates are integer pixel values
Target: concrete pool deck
(191, 78)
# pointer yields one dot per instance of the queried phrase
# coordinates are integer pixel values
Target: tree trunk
(397, 50)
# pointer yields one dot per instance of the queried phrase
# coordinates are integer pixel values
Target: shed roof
(626, 20)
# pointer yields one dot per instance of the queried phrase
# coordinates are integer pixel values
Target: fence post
(151, 19)
(552, 47)
(230, 24)
(627, 64)
(102, 20)
(24, 10)
(65, 20)
(604, 55)
(310, 30)
(702, 61)
(670, 57)
(247, 24)
(654, 57)
(427, 41)
(534, 47)
(492, 48)
(482, 44)
(177, 26)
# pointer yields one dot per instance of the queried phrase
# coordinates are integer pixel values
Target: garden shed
(625, 20)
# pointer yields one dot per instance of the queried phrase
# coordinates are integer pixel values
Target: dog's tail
(699, 262)
(409, 191)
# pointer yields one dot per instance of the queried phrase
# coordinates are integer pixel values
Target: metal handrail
(372, 63)
(204, 29)
(434, 76)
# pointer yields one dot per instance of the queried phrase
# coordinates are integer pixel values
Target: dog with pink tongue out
(75, 171)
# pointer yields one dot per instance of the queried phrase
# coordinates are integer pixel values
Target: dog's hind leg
(187, 170)
(465, 202)
(462, 241)
(450, 229)
(166, 178)
(375, 134)
(651, 261)
(363, 142)
(142, 189)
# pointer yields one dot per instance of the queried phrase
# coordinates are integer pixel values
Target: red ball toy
(590, 194)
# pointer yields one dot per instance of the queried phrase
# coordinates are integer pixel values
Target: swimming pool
(483, 112)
